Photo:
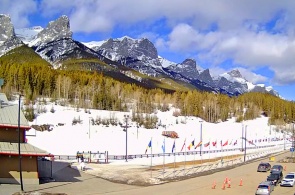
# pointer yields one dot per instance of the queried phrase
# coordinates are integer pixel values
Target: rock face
(8, 39)
(138, 54)
(55, 30)
(188, 69)
(54, 43)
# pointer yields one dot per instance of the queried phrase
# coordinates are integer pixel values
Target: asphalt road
(203, 185)
(84, 184)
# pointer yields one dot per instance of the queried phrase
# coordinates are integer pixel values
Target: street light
(242, 135)
(126, 128)
(201, 138)
(245, 143)
(284, 140)
(293, 141)
(19, 155)
(89, 126)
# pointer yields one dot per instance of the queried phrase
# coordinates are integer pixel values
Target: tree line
(23, 70)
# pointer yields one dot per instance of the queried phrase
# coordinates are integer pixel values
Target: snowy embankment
(68, 139)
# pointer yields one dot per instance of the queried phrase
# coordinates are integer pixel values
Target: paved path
(70, 182)
(83, 184)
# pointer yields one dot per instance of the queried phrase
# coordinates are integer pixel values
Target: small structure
(171, 134)
(9, 153)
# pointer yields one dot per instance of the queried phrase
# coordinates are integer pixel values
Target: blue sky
(255, 36)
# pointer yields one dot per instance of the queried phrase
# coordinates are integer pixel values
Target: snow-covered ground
(69, 139)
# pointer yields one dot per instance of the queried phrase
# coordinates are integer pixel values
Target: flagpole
(174, 163)
(174, 154)
(209, 150)
(184, 154)
(194, 157)
(151, 157)
(164, 158)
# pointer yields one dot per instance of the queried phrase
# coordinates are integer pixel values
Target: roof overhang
(13, 126)
(26, 149)
(14, 154)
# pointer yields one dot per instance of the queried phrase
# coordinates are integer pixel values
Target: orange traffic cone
(241, 182)
(214, 185)
(226, 180)
(223, 186)
(229, 185)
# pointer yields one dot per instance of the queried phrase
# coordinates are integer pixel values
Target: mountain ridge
(55, 44)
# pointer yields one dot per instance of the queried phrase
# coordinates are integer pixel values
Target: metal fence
(134, 156)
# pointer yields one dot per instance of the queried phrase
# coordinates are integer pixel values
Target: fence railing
(134, 156)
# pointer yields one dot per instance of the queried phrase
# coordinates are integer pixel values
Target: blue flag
(163, 146)
(149, 146)
(173, 147)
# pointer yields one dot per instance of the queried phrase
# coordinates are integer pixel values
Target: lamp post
(19, 154)
(293, 141)
(242, 135)
(201, 138)
(126, 128)
(90, 118)
(284, 140)
(245, 143)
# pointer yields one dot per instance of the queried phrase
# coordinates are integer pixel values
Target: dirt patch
(196, 162)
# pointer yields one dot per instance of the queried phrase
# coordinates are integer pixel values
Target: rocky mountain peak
(205, 76)
(8, 40)
(126, 47)
(235, 73)
(189, 63)
(6, 28)
(55, 30)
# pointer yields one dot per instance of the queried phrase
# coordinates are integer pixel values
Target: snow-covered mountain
(8, 39)
(27, 34)
(138, 54)
(55, 44)
(93, 44)
(141, 55)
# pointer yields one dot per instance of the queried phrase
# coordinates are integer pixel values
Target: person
(82, 165)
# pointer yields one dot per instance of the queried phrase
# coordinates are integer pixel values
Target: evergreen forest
(25, 71)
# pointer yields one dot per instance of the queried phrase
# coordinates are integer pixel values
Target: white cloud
(249, 75)
(252, 77)
(18, 10)
(244, 47)
(226, 14)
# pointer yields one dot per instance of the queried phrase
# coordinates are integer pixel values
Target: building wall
(11, 135)
(9, 172)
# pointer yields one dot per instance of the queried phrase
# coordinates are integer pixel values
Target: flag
(249, 141)
(173, 147)
(230, 142)
(226, 143)
(183, 145)
(191, 145)
(149, 146)
(207, 144)
(163, 146)
(199, 144)
(214, 143)
(236, 142)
